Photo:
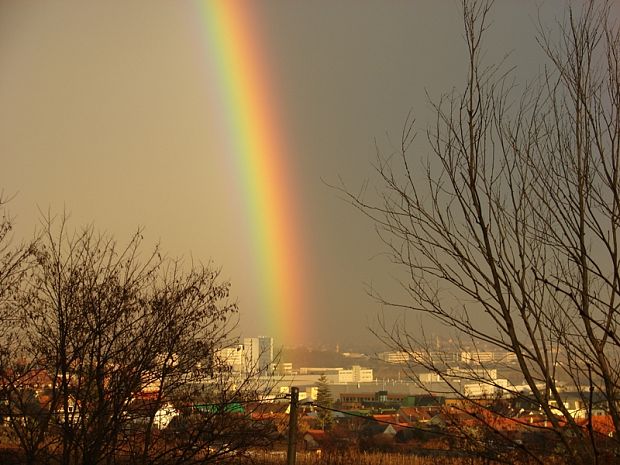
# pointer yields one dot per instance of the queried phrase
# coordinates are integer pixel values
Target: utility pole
(292, 427)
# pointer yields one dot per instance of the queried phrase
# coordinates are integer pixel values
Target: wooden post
(292, 427)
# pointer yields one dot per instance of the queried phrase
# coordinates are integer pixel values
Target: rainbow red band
(262, 163)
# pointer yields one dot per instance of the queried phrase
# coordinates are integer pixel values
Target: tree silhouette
(324, 399)
(508, 232)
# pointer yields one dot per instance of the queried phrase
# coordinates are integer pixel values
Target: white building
(395, 357)
(254, 355)
(258, 353)
(164, 415)
(356, 374)
(480, 358)
(477, 357)
(232, 357)
(430, 378)
(472, 373)
(498, 386)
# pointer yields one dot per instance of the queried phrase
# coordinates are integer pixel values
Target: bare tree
(127, 339)
(12, 258)
(509, 234)
(14, 264)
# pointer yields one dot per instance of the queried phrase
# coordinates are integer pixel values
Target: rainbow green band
(256, 137)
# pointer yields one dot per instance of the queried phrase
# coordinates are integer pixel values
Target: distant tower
(258, 352)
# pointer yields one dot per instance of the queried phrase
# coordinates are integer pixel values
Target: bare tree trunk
(509, 236)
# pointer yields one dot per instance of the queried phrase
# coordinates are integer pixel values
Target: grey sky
(104, 113)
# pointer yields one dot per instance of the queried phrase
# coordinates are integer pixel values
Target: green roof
(232, 407)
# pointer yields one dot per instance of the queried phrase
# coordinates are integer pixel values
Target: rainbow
(259, 148)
